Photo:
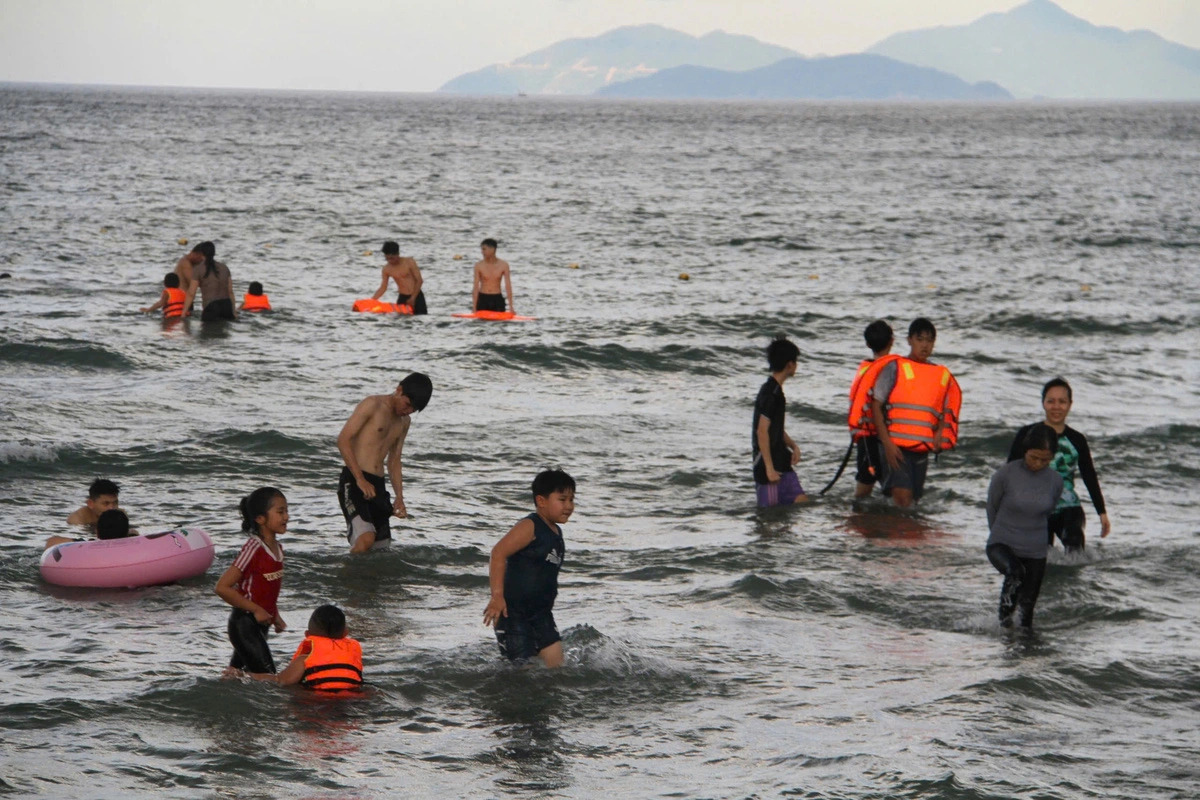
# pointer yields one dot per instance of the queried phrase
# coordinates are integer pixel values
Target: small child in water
(254, 299)
(251, 584)
(172, 298)
(523, 573)
(112, 524)
(327, 660)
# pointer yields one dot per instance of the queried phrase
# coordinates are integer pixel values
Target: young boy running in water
(374, 433)
(523, 573)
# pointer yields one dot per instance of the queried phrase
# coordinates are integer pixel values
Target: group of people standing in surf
(902, 408)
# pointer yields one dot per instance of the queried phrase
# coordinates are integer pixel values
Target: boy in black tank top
(523, 573)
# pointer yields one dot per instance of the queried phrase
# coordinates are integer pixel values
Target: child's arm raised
(227, 590)
(516, 540)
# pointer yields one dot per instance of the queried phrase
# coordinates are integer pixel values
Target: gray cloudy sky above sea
(417, 45)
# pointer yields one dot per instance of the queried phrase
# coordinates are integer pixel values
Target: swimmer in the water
(254, 299)
(523, 574)
(490, 273)
(171, 300)
(328, 660)
(407, 275)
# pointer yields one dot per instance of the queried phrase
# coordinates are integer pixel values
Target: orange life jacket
(175, 300)
(374, 306)
(922, 410)
(332, 664)
(255, 302)
(862, 424)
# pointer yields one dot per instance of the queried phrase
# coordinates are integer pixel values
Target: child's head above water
(112, 524)
(171, 280)
(550, 481)
(327, 621)
(255, 288)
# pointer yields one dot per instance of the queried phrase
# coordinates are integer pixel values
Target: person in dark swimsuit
(523, 574)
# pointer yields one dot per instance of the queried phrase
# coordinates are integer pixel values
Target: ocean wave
(772, 242)
(573, 355)
(70, 353)
(1067, 325)
(24, 453)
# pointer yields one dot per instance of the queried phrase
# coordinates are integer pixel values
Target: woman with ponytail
(215, 283)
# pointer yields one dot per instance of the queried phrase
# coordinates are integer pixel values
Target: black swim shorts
(522, 638)
(491, 302)
(376, 512)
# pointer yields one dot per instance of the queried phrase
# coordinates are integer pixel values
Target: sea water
(713, 649)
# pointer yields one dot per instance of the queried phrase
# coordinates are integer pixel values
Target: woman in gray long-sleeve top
(1021, 497)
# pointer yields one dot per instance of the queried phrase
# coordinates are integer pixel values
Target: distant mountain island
(1034, 50)
(853, 77)
(581, 66)
(1039, 50)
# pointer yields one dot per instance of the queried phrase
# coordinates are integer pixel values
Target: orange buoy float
(372, 306)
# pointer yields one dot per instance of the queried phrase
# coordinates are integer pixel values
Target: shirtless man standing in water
(406, 274)
(375, 432)
(183, 268)
(488, 274)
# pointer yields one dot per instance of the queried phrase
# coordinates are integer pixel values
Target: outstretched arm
(382, 286)
(162, 301)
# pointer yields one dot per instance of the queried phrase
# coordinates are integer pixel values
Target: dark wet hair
(209, 251)
(102, 486)
(1041, 437)
(112, 524)
(878, 335)
(549, 481)
(255, 288)
(255, 505)
(1050, 384)
(489, 243)
(780, 353)
(171, 280)
(417, 388)
(391, 249)
(921, 325)
(328, 621)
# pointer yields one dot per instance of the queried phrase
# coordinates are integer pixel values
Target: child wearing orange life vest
(251, 584)
(914, 408)
(254, 299)
(879, 338)
(172, 298)
(327, 660)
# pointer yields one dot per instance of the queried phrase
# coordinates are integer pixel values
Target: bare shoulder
(503, 263)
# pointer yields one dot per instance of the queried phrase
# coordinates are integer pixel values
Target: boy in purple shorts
(775, 453)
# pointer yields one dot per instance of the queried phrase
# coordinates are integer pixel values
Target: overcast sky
(417, 45)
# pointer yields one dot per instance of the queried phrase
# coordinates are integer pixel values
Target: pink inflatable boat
(130, 562)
